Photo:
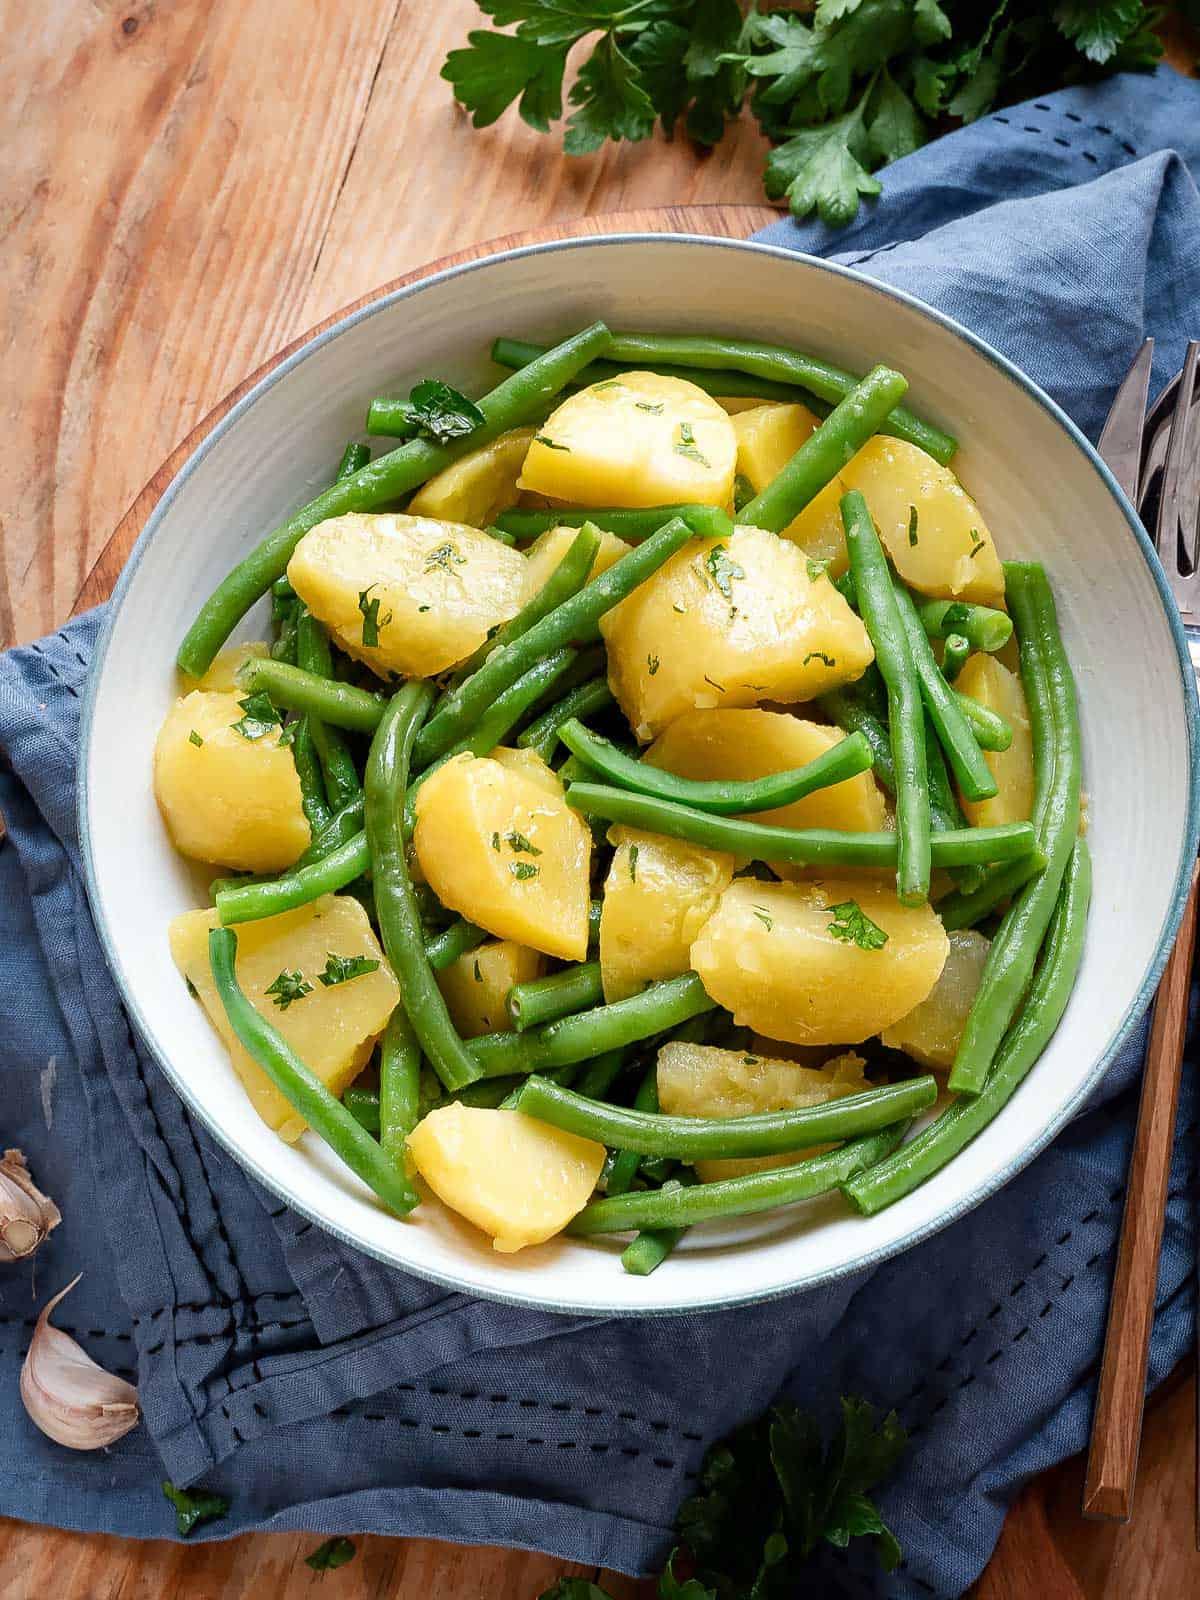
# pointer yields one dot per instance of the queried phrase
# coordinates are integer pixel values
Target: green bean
(281, 589)
(396, 419)
(846, 709)
(300, 1086)
(844, 584)
(650, 1249)
(460, 937)
(592, 1033)
(568, 577)
(1050, 694)
(954, 656)
(963, 908)
(343, 825)
(723, 797)
(825, 452)
(681, 1207)
(354, 458)
(632, 525)
(560, 995)
(518, 399)
(944, 809)
(575, 621)
(585, 700)
(285, 613)
(960, 1122)
(990, 729)
(399, 915)
(877, 598)
(363, 1106)
(727, 385)
(596, 1077)
(799, 847)
(340, 704)
(971, 771)
(774, 373)
(981, 626)
(312, 786)
(299, 886)
(399, 1085)
(762, 1133)
(625, 1162)
(314, 655)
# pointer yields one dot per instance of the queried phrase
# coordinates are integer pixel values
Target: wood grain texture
(187, 187)
(1117, 1426)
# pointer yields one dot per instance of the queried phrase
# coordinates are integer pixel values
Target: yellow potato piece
(225, 798)
(734, 404)
(515, 1178)
(658, 894)
(503, 849)
(931, 1031)
(528, 764)
(475, 987)
(548, 549)
(953, 558)
(476, 488)
(222, 676)
(636, 440)
(730, 623)
(704, 1081)
(994, 686)
(332, 1029)
(441, 586)
(749, 744)
(768, 437)
(769, 955)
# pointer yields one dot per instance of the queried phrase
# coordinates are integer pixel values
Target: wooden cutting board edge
(719, 221)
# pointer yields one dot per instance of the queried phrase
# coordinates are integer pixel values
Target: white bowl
(1045, 494)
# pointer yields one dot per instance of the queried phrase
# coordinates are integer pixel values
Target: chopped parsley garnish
(261, 716)
(633, 861)
(442, 413)
(686, 445)
(194, 738)
(332, 1554)
(954, 616)
(340, 969)
(652, 664)
(193, 1506)
(192, 989)
(852, 925)
(495, 841)
(978, 545)
(551, 444)
(751, 1061)
(518, 843)
(609, 383)
(372, 621)
(288, 737)
(816, 569)
(445, 557)
(655, 410)
(723, 570)
(478, 974)
(523, 870)
(764, 917)
(288, 988)
(719, 687)
(743, 491)
(682, 610)
(819, 655)
(424, 608)
(912, 525)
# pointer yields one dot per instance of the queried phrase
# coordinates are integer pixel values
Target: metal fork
(1156, 458)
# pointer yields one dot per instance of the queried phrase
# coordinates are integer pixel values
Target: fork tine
(1176, 546)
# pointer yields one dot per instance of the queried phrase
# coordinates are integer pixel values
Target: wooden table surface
(187, 187)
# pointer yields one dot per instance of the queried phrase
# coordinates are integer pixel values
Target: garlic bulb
(26, 1214)
(67, 1395)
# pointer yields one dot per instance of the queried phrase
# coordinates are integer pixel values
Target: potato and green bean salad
(655, 796)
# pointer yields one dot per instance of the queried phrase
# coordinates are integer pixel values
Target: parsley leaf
(193, 1506)
(261, 716)
(551, 444)
(517, 842)
(497, 67)
(652, 665)
(340, 969)
(446, 556)
(194, 738)
(332, 1554)
(686, 445)
(722, 569)
(633, 861)
(912, 526)
(442, 413)
(822, 169)
(852, 925)
(743, 491)
(372, 621)
(523, 870)
(609, 99)
(764, 917)
(819, 655)
(655, 410)
(289, 987)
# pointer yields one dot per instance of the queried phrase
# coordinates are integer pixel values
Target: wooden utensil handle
(1117, 1425)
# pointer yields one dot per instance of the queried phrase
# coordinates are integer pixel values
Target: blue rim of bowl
(996, 1180)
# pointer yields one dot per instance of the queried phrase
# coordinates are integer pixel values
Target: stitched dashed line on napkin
(1071, 116)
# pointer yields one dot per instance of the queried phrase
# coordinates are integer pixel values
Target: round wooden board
(722, 221)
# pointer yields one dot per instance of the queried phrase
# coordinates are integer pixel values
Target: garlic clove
(69, 1397)
(26, 1214)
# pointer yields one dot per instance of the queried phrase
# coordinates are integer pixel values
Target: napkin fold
(319, 1389)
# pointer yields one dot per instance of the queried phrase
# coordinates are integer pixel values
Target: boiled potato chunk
(503, 849)
(529, 765)
(548, 549)
(768, 436)
(704, 1081)
(769, 954)
(475, 987)
(225, 798)
(953, 557)
(222, 676)
(931, 1031)
(636, 440)
(750, 744)
(476, 488)
(729, 623)
(658, 894)
(514, 1177)
(332, 1028)
(441, 586)
(994, 686)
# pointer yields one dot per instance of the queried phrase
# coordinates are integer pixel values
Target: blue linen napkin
(320, 1390)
